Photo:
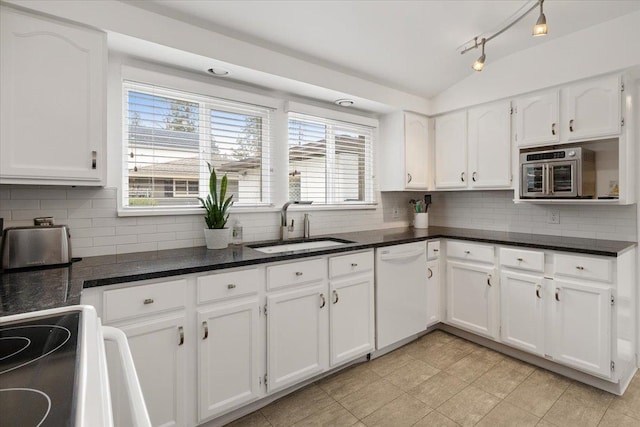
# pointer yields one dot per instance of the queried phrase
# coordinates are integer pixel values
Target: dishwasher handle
(132, 386)
(401, 255)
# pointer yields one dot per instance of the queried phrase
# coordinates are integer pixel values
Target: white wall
(603, 48)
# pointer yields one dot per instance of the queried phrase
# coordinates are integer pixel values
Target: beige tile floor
(443, 380)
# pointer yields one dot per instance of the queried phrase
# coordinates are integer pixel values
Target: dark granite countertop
(35, 290)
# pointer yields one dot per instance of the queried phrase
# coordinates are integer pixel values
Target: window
(330, 162)
(169, 136)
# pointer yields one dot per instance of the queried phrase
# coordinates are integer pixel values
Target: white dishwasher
(401, 292)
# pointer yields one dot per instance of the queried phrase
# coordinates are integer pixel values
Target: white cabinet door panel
(582, 326)
(433, 292)
(451, 150)
(351, 318)
(416, 140)
(297, 335)
(489, 133)
(522, 311)
(228, 356)
(537, 119)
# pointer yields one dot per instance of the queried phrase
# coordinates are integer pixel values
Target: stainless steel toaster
(35, 246)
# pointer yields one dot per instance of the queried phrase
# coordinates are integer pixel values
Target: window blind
(330, 162)
(169, 136)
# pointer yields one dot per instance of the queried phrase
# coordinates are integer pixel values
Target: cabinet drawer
(350, 264)
(433, 250)
(280, 276)
(144, 300)
(589, 268)
(522, 259)
(232, 284)
(470, 251)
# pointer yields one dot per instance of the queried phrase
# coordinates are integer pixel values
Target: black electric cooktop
(38, 370)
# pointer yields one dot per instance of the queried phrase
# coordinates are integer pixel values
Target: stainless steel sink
(290, 246)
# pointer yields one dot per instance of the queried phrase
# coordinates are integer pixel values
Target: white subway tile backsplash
(65, 204)
(94, 231)
(86, 194)
(92, 213)
(59, 215)
(115, 240)
(20, 204)
(136, 247)
(156, 237)
(18, 193)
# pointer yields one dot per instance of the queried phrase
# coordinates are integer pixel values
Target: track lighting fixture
(479, 64)
(540, 29)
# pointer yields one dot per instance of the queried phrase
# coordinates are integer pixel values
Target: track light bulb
(540, 29)
(479, 64)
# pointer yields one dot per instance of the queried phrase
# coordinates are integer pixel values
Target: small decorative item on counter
(236, 233)
(420, 207)
(216, 207)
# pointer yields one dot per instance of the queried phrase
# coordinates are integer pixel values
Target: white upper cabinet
(53, 104)
(451, 150)
(591, 109)
(537, 119)
(489, 133)
(404, 142)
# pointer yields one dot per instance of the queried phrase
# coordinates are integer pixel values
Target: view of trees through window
(170, 138)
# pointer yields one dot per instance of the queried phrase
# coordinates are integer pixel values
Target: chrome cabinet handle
(148, 301)
(430, 273)
(181, 335)
(231, 286)
(436, 250)
(324, 301)
(409, 178)
(557, 294)
(579, 267)
(354, 264)
(538, 287)
(489, 279)
(336, 298)
(205, 326)
(553, 128)
(94, 159)
(473, 176)
(519, 259)
(462, 176)
(298, 273)
(571, 125)
(467, 252)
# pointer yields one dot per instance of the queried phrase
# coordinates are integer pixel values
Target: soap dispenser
(236, 233)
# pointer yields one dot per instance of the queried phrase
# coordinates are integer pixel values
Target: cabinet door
(537, 120)
(157, 347)
(472, 297)
(228, 356)
(53, 101)
(433, 292)
(416, 153)
(351, 319)
(451, 150)
(522, 311)
(297, 335)
(489, 132)
(581, 326)
(592, 109)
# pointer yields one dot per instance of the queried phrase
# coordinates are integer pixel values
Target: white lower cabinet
(297, 335)
(433, 292)
(581, 326)
(522, 300)
(228, 356)
(157, 347)
(351, 325)
(472, 297)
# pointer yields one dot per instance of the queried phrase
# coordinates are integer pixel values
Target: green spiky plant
(215, 204)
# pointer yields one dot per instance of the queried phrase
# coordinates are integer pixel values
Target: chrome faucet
(285, 228)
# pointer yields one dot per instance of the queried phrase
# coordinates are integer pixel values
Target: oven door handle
(545, 179)
(138, 408)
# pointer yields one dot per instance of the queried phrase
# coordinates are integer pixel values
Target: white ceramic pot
(421, 220)
(216, 238)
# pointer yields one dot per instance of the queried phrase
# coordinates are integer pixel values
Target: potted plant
(216, 206)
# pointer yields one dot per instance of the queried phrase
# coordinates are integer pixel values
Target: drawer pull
(148, 301)
(553, 128)
(205, 326)
(489, 279)
(436, 250)
(298, 273)
(409, 178)
(181, 335)
(557, 294)
(571, 125)
(462, 176)
(520, 259)
(430, 273)
(473, 176)
(231, 286)
(579, 267)
(467, 252)
(336, 298)
(324, 301)
(538, 287)
(354, 264)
